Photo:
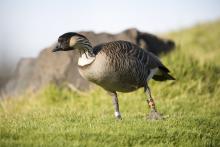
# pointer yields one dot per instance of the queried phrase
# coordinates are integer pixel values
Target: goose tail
(163, 75)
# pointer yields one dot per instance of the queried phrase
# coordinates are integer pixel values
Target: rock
(61, 67)
(21, 79)
(6, 67)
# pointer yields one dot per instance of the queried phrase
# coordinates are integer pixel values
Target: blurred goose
(117, 66)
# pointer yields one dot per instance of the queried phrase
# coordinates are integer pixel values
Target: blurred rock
(22, 76)
(6, 67)
(61, 67)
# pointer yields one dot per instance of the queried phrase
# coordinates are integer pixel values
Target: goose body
(120, 66)
(117, 66)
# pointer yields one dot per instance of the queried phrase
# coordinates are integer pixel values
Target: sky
(28, 26)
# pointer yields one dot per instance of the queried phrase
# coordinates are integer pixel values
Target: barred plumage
(116, 66)
(131, 61)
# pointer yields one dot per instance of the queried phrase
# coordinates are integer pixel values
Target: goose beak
(60, 47)
(57, 49)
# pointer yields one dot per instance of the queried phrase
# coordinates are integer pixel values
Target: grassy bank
(59, 117)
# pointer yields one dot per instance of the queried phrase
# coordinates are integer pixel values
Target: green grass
(56, 116)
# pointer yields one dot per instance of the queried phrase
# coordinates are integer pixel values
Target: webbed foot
(154, 115)
(118, 116)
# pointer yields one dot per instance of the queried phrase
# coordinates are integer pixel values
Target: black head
(69, 41)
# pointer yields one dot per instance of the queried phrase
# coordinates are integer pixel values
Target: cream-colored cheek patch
(72, 41)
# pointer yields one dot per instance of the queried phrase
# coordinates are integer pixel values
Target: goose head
(70, 41)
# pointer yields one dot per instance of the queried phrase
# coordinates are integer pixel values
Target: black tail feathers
(163, 77)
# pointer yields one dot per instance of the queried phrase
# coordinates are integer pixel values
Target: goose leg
(116, 105)
(154, 115)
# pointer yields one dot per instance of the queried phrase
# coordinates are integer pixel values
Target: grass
(56, 116)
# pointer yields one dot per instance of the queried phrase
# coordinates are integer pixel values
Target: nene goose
(117, 66)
